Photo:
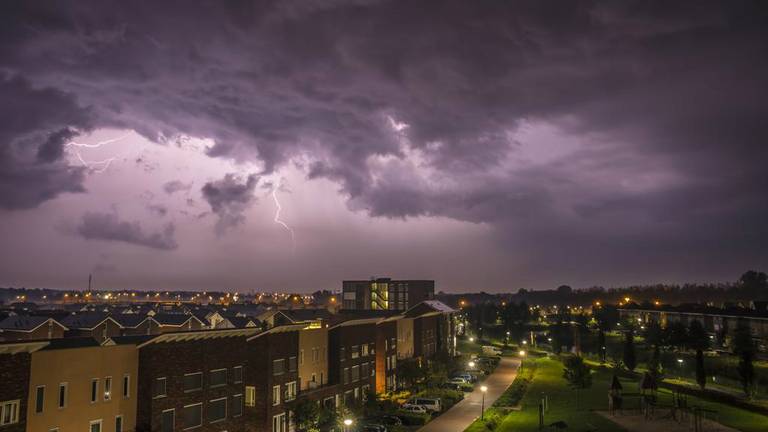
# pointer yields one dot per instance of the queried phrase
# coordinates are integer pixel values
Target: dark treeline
(752, 285)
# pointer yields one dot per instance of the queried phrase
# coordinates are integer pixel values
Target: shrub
(413, 419)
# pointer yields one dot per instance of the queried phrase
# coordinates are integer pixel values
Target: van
(430, 404)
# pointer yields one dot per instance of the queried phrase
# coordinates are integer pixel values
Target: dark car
(373, 427)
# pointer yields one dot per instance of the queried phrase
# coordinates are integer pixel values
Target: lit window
(290, 391)
(278, 423)
(9, 412)
(95, 426)
(107, 388)
(276, 395)
(250, 396)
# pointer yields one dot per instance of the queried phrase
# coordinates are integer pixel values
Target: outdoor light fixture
(680, 361)
(522, 353)
(347, 422)
(471, 339)
(471, 364)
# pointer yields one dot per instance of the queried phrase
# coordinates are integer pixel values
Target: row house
(23, 327)
(98, 325)
(15, 368)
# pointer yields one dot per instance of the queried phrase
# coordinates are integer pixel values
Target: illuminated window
(250, 396)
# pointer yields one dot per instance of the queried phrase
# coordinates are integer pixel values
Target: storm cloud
(109, 227)
(583, 132)
(229, 198)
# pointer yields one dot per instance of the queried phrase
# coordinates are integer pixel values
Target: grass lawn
(562, 404)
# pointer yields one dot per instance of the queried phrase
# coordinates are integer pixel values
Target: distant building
(386, 294)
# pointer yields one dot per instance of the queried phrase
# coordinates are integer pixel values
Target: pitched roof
(242, 322)
(24, 323)
(86, 320)
(71, 342)
(170, 319)
(130, 320)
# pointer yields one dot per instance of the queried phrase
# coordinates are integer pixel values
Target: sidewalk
(461, 415)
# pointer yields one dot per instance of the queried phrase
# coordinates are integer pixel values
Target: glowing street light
(471, 339)
(471, 365)
(522, 353)
(348, 422)
(483, 389)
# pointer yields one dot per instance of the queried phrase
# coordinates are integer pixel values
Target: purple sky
(488, 145)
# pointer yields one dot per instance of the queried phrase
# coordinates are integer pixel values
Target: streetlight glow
(483, 389)
(522, 353)
(348, 422)
(471, 364)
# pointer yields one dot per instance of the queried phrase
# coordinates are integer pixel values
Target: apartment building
(386, 354)
(15, 368)
(230, 380)
(352, 356)
(313, 356)
(78, 385)
(272, 379)
(385, 294)
(191, 380)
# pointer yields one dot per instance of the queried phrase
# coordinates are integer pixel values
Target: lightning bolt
(278, 209)
(97, 167)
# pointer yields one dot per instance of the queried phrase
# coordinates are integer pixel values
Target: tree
(410, 372)
(754, 282)
(306, 415)
(578, 374)
(630, 357)
(677, 334)
(698, 340)
(744, 347)
(654, 364)
(653, 334)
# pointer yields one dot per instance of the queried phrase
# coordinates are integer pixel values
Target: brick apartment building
(235, 380)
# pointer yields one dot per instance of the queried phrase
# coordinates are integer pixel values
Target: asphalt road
(461, 415)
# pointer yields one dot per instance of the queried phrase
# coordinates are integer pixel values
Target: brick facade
(14, 385)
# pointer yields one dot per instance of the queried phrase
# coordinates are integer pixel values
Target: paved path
(461, 415)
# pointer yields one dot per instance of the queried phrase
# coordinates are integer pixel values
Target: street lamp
(483, 389)
(471, 365)
(347, 423)
(680, 370)
(471, 339)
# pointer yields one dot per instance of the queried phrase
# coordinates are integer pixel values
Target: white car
(415, 409)
(458, 380)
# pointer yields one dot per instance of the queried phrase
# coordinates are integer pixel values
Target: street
(461, 415)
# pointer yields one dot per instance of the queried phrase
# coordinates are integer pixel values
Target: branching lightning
(97, 167)
(278, 209)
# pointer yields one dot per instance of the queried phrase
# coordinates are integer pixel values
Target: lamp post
(680, 369)
(347, 423)
(471, 365)
(483, 389)
(522, 356)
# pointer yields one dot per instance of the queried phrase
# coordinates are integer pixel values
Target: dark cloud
(158, 209)
(416, 110)
(229, 198)
(174, 186)
(109, 227)
(35, 123)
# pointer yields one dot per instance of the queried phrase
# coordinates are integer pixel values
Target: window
(119, 423)
(365, 350)
(63, 395)
(95, 426)
(276, 395)
(364, 369)
(292, 364)
(355, 351)
(345, 377)
(126, 386)
(278, 423)
(373, 369)
(355, 373)
(250, 396)
(159, 390)
(342, 354)
(168, 420)
(94, 390)
(218, 377)
(107, 388)
(39, 399)
(301, 357)
(278, 366)
(192, 416)
(290, 391)
(237, 374)
(193, 382)
(237, 405)
(9, 412)
(217, 410)
(372, 349)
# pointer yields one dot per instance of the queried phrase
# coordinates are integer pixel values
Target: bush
(519, 387)
(492, 420)
(413, 419)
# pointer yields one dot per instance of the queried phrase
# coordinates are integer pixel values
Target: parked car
(373, 427)
(414, 409)
(453, 386)
(431, 404)
(491, 350)
(458, 380)
(467, 376)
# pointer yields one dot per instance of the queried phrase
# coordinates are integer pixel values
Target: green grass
(548, 379)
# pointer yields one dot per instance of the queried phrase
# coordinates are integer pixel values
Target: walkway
(461, 415)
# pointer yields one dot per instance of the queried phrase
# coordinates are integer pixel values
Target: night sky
(490, 145)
